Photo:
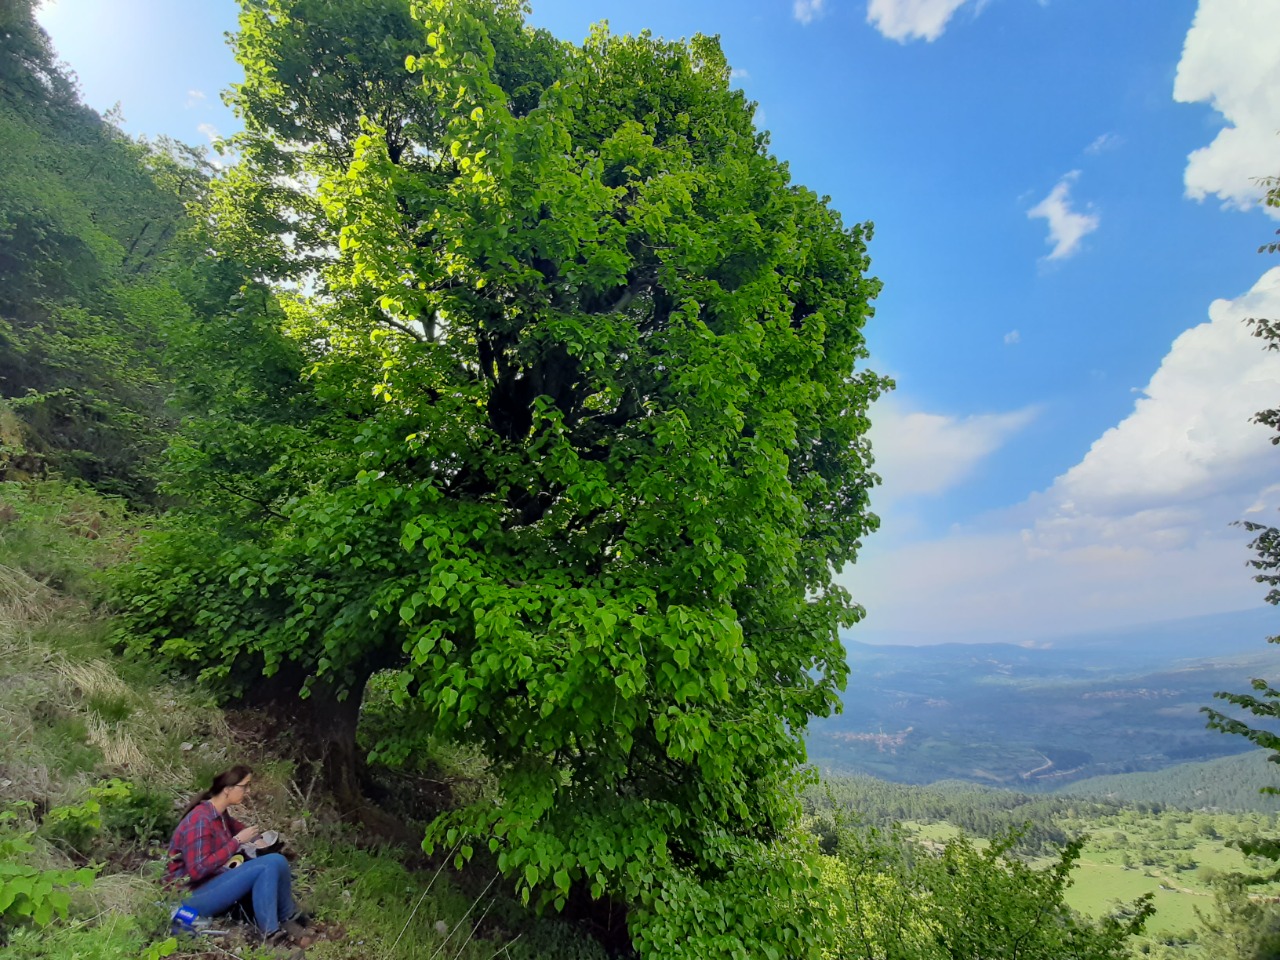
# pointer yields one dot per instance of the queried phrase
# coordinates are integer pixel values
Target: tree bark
(319, 732)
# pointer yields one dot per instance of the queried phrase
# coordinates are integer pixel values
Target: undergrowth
(98, 753)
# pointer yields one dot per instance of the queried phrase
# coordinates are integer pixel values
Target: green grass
(1098, 887)
(1102, 879)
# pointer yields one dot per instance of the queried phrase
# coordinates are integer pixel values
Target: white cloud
(1189, 433)
(1137, 531)
(210, 131)
(1231, 59)
(806, 11)
(1104, 142)
(905, 20)
(737, 73)
(194, 98)
(1012, 337)
(928, 453)
(1066, 227)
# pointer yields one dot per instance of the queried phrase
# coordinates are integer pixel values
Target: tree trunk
(319, 732)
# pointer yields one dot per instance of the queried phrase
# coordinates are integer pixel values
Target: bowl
(268, 839)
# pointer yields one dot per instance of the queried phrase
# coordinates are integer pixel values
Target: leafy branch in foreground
(29, 893)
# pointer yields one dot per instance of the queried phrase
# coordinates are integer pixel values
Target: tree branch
(227, 488)
(403, 328)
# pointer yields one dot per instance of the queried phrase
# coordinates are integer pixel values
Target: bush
(28, 893)
(73, 826)
(143, 814)
(892, 898)
(77, 825)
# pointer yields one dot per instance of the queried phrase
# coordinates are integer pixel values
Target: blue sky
(1061, 190)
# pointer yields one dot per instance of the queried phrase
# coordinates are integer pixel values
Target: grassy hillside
(97, 752)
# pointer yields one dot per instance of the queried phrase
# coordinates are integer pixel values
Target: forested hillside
(1230, 783)
(101, 275)
(980, 811)
(1037, 719)
(472, 454)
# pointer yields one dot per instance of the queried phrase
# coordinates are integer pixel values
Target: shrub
(29, 893)
(143, 814)
(77, 825)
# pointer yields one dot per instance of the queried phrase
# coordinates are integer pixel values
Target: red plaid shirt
(204, 841)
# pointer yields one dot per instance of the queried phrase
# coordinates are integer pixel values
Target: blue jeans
(266, 877)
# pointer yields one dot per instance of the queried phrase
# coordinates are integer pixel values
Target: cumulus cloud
(905, 20)
(737, 73)
(1231, 60)
(806, 11)
(194, 98)
(1067, 227)
(209, 131)
(928, 453)
(1012, 337)
(1137, 531)
(1189, 430)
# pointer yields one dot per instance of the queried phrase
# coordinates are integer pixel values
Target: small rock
(442, 928)
(298, 826)
(187, 747)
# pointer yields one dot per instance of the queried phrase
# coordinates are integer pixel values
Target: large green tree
(260, 438)
(314, 70)
(592, 447)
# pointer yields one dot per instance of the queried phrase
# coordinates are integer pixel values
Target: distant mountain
(1035, 717)
(1229, 783)
(1237, 631)
(1214, 635)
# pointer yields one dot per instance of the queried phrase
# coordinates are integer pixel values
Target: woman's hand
(248, 835)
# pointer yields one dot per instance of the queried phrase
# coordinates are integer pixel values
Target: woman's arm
(205, 844)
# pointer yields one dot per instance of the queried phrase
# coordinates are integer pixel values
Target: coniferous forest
(469, 447)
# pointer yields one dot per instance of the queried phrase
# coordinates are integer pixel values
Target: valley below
(1042, 717)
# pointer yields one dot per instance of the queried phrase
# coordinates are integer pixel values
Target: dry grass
(52, 693)
(26, 604)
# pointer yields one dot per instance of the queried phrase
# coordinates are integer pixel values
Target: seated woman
(202, 847)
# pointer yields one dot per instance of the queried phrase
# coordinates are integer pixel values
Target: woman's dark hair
(227, 778)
